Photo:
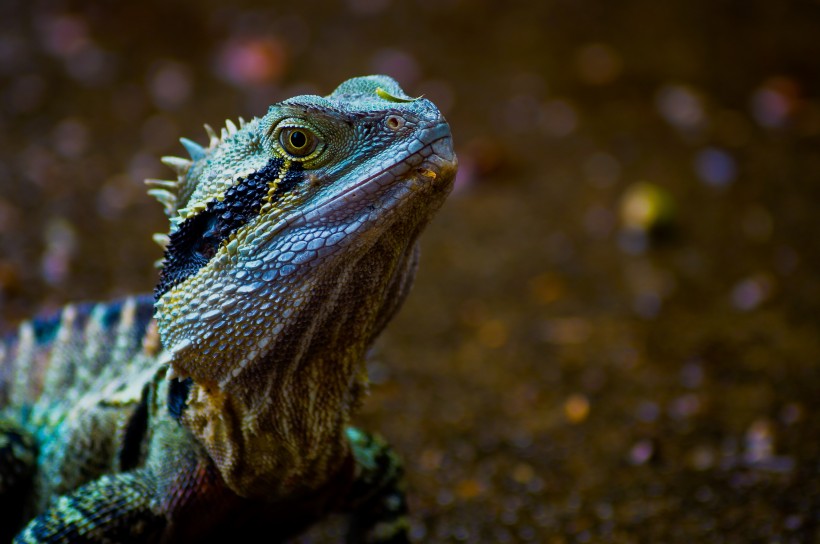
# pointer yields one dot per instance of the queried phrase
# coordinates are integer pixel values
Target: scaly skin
(293, 241)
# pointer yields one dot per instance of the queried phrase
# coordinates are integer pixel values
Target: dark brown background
(557, 375)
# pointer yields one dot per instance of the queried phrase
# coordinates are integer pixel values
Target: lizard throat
(340, 253)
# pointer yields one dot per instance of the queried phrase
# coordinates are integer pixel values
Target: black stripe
(196, 240)
(135, 429)
(178, 391)
(292, 178)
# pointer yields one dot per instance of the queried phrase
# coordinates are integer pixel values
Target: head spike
(195, 150)
(161, 239)
(212, 136)
(230, 126)
(178, 164)
(162, 184)
(167, 199)
(242, 123)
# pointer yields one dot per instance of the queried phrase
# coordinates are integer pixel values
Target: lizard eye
(298, 141)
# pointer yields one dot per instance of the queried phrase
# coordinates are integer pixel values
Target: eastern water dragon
(219, 409)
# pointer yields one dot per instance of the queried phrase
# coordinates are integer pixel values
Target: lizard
(220, 408)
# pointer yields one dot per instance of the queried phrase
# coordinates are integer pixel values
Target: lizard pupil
(298, 139)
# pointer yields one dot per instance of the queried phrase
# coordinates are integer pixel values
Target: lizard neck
(281, 446)
(279, 427)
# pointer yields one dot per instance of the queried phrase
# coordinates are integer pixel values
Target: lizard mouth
(433, 164)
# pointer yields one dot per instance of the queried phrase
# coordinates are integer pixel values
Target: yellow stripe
(274, 184)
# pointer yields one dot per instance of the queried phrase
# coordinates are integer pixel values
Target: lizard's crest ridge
(172, 193)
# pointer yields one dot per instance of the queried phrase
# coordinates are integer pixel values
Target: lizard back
(54, 360)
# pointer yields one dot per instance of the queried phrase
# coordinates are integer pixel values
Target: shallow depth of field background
(614, 332)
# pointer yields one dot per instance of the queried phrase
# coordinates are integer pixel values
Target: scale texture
(220, 407)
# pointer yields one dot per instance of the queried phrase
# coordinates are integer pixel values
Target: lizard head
(293, 235)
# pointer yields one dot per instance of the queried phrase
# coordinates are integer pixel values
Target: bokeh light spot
(245, 62)
(715, 167)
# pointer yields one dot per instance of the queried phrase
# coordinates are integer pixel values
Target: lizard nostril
(394, 122)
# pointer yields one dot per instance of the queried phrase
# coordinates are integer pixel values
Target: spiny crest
(170, 193)
(162, 240)
(167, 191)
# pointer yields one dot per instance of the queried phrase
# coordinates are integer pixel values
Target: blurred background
(614, 332)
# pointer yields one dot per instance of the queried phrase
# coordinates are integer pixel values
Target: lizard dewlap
(219, 408)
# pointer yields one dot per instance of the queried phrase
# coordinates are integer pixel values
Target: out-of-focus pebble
(646, 206)
(576, 408)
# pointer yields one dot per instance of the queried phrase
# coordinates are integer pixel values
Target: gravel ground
(614, 332)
